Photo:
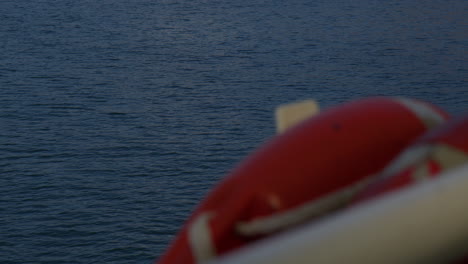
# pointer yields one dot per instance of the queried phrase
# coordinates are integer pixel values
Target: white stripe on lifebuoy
(199, 235)
(408, 157)
(277, 222)
(449, 157)
(428, 115)
(446, 156)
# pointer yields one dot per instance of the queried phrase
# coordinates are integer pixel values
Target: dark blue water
(118, 116)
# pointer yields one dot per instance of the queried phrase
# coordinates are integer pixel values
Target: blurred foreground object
(313, 168)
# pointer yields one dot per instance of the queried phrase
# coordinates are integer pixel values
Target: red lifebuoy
(439, 150)
(312, 169)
